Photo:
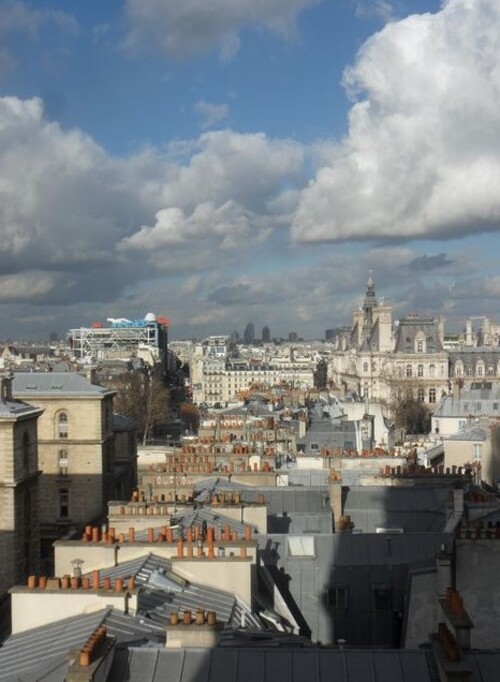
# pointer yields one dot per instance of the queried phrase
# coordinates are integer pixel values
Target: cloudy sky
(227, 161)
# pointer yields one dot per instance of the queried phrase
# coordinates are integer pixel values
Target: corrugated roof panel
(44, 646)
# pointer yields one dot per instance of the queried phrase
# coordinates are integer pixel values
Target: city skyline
(247, 162)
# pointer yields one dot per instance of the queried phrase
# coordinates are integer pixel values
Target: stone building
(19, 477)
(75, 448)
(379, 360)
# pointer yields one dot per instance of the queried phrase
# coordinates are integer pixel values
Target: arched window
(432, 371)
(62, 425)
(421, 395)
(408, 371)
(420, 371)
(432, 395)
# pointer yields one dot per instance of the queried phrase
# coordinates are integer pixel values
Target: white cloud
(97, 225)
(422, 155)
(250, 169)
(17, 16)
(211, 114)
(228, 222)
(383, 9)
(182, 28)
(28, 286)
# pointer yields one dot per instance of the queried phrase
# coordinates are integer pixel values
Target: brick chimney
(201, 631)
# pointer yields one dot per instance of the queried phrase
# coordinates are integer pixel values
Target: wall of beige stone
(19, 518)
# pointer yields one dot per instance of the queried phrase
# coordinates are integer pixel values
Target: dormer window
(420, 343)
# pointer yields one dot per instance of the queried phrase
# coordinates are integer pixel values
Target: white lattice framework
(98, 342)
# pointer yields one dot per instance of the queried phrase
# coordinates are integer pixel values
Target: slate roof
(49, 384)
(474, 434)
(470, 403)
(16, 408)
(409, 327)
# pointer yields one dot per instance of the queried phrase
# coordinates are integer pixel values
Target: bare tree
(142, 397)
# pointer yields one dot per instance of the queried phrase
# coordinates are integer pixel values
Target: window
(432, 371)
(63, 462)
(63, 503)
(420, 371)
(421, 395)
(459, 370)
(420, 346)
(408, 371)
(299, 545)
(365, 367)
(62, 425)
(432, 395)
(337, 597)
(469, 371)
(477, 451)
(480, 370)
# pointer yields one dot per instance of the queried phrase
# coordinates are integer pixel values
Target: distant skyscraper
(293, 336)
(266, 334)
(249, 333)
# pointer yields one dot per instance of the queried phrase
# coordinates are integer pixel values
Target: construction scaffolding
(121, 337)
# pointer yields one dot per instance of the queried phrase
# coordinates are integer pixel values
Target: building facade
(383, 361)
(75, 449)
(19, 478)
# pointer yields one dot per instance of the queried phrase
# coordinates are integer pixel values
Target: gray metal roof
(308, 477)
(469, 404)
(358, 563)
(41, 653)
(421, 509)
(269, 665)
(474, 434)
(16, 408)
(49, 384)
(157, 604)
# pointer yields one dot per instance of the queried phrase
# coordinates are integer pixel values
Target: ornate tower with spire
(372, 323)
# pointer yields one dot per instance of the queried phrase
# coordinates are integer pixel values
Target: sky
(238, 161)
